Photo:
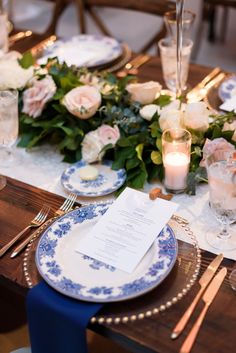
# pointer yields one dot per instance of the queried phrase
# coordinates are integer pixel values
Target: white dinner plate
(84, 50)
(108, 180)
(81, 277)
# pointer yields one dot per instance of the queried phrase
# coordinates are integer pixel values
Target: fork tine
(66, 202)
(39, 217)
(71, 203)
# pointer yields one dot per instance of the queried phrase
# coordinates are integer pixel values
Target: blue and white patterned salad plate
(84, 50)
(81, 277)
(108, 180)
(227, 88)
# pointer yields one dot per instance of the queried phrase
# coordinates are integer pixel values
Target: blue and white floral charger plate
(107, 181)
(227, 89)
(84, 50)
(81, 277)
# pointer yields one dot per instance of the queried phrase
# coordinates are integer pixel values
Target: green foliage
(199, 175)
(139, 149)
(27, 60)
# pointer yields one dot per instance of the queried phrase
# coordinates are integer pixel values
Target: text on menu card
(126, 231)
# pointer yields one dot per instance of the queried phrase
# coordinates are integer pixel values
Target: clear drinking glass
(176, 147)
(168, 53)
(9, 125)
(221, 170)
(171, 25)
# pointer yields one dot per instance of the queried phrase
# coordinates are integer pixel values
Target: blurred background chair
(154, 7)
(93, 7)
(215, 13)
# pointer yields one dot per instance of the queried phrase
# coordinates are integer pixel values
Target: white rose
(12, 75)
(196, 116)
(171, 119)
(144, 93)
(91, 147)
(148, 111)
(174, 105)
(230, 127)
(83, 101)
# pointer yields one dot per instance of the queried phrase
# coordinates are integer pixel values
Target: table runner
(46, 166)
(57, 323)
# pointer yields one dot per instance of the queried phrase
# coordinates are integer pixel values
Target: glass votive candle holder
(176, 149)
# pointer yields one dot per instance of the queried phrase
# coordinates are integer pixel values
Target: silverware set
(201, 90)
(131, 68)
(19, 36)
(36, 222)
(209, 288)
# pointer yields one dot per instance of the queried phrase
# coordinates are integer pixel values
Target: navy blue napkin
(57, 324)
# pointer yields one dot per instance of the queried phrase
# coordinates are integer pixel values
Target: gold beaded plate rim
(139, 315)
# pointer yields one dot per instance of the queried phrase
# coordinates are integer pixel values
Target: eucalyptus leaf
(27, 60)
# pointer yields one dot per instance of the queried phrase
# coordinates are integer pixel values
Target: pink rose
(35, 97)
(219, 144)
(94, 142)
(83, 101)
(108, 134)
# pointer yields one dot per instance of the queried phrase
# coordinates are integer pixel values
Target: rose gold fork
(65, 207)
(36, 222)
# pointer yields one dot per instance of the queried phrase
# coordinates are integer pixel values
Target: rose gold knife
(208, 297)
(203, 281)
(203, 83)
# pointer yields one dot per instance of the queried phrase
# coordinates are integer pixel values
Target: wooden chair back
(154, 7)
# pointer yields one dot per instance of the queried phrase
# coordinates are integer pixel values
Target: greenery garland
(139, 148)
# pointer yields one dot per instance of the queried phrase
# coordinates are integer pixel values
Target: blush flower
(218, 144)
(108, 134)
(144, 93)
(196, 116)
(83, 101)
(94, 142)
(92, 147)
(36, 97)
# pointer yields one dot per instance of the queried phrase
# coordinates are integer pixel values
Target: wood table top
(19, 202)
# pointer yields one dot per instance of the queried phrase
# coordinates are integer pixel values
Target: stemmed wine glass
(221, 170)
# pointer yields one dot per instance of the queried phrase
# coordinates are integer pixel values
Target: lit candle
(176, 170)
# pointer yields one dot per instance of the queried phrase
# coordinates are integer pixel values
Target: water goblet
(221, 170)
(168, 54)
(9, 125)
(171, 23)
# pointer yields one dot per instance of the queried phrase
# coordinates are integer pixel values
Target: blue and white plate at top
(227, 89)
(84, 278)
(84, 50)
(107, 181)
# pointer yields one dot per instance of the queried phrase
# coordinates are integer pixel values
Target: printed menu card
(123, 235)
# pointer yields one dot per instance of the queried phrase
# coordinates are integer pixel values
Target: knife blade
(208, 298)
(203, 281)
(200, 94)
(202, 83)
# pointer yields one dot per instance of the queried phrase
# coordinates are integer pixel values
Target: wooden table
(19, 203)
